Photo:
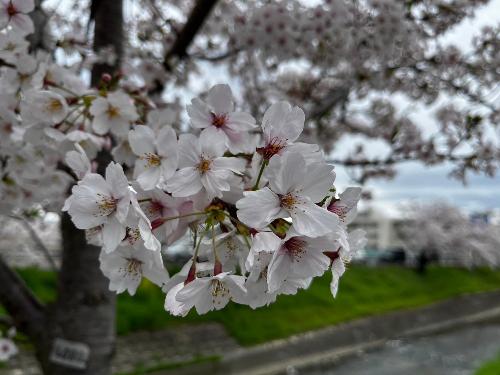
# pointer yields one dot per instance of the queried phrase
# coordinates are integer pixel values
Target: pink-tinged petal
(185, 182)
(199, 113)
(189, 151)
(258, 208)
(313, 221)
(220, 99)
(316, 182)
(24, 6)
(113, 232)
(278, 270)
(117, 180)
(142, 140)
(22, 23)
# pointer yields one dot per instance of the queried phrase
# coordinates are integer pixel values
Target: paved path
(459, 352)
(318, 350)
(147, 349)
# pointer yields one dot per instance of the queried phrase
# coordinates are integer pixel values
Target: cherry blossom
(126, 267)
(293, 192)
(113, 113)
(212, 293)
(203, 166)
(217, 118)
(43, 106)
(14, 13)
(97, 201)
(157, 155)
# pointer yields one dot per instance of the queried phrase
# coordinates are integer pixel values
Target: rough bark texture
(85, 309)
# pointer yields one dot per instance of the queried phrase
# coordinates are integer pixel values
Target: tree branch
(194, 23)
(25, 309)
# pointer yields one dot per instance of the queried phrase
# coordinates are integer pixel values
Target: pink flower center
(295, 247)
(11, 10)
(218, 120)
(340, 211)
(272, 148)
(155, 207)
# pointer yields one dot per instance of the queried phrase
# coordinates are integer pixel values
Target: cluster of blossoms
(261, 206)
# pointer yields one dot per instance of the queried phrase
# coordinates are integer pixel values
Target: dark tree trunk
(85, 309)
(108, 32)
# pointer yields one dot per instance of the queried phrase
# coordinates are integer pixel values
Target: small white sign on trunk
(70, 354)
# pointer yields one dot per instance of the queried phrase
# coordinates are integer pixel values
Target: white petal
(149, 177)
(117, 180)
(24, 6)
(278, 271)
(113, 232)
(220, 98)
(199, 113)
(258, 208)
(313, 221)
(189, 150)
(318, 179)
(286, 173)
(212, 147)
(185, 182)
(283, 121)
(141, 140)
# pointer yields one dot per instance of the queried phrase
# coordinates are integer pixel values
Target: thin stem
(213, 244)
(262, 167)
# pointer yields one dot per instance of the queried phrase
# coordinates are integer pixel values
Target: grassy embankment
(363, 291)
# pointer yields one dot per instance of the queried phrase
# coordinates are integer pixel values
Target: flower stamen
(204, 165)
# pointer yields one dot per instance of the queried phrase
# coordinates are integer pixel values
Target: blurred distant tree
(441, 232)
